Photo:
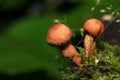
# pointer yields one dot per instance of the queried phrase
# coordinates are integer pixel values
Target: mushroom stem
(89, 45)
(69, 51)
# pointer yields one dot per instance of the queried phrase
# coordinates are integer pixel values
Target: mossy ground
(104, 64)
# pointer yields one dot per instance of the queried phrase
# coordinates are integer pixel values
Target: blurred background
(24, 53)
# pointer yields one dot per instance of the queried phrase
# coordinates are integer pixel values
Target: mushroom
(59, 35)
(93, 27)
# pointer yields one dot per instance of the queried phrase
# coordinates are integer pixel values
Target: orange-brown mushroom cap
(94, 27)
(59, 34)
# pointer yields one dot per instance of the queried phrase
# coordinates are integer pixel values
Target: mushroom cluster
(93, 28)
(60, 35)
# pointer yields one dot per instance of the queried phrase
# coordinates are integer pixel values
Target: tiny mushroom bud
(107, 17)
(93, 27)
(59, 35)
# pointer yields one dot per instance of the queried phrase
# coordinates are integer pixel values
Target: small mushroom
(94, 28)
(59, 35)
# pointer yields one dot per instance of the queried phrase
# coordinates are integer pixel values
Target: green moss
(104, 64)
